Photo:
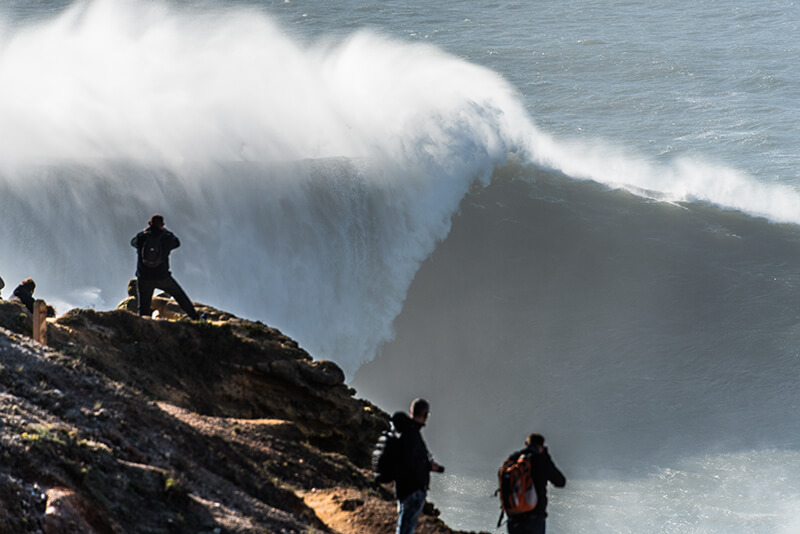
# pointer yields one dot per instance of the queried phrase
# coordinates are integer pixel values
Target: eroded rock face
(16, 317)
(68, 512)
(225, 367)
(127, 424)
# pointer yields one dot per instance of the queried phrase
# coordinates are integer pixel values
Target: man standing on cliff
(543, 471)
(153, 245)
(413, 479)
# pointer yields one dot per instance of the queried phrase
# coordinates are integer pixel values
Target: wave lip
(684, 179)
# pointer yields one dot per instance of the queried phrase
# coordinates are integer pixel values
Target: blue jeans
(526, 524)
(408, 511)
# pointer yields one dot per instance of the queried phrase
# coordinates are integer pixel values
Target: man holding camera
(411, 484)
(153, 245)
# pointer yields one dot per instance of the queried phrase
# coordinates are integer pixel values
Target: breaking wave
(307, 181)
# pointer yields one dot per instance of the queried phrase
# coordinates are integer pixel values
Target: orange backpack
(517, 493)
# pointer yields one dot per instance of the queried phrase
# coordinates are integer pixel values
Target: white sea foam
(752, 492)
(682, 180)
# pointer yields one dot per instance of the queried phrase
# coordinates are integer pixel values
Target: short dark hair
(419, 407)
(156, 221)
(534, 440)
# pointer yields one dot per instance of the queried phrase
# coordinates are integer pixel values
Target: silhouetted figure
(2, 285)
(24, 293)
(413, 479)
(153, 245)
(543, 471)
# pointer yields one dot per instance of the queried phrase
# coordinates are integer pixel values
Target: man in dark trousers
(153, 245)
(411, 484)
(544, 471)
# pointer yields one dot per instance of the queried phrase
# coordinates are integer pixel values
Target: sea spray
(306, 183)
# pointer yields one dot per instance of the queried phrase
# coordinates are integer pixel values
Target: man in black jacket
(411, 484)
(153, 245)
(544, 471)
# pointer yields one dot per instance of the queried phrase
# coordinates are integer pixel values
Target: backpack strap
(500, 519)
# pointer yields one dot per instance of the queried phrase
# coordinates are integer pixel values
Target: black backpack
(152, 250)
(386, 457)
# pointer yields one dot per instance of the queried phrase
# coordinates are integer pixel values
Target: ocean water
(577, 218)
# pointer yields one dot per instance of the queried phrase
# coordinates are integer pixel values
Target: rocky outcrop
(226, 367)
(126, 424)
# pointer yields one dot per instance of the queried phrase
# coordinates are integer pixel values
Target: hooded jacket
(416, 462)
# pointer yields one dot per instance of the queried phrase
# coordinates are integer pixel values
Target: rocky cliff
(123, 424)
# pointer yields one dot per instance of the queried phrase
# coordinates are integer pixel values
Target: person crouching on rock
(153, 245)
(24, 293)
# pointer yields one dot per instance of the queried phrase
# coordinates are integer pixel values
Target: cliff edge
(128, 425)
